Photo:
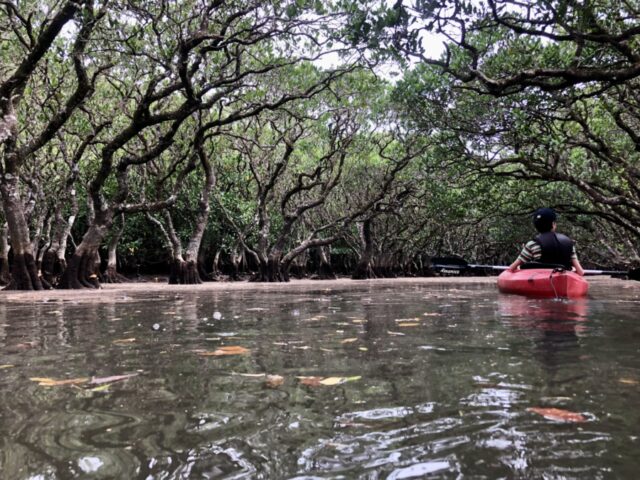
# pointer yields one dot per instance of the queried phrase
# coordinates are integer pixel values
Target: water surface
(411, 380)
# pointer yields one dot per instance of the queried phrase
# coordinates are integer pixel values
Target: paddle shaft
(469, 266)
(472, 266)
(461, 268)
(586, 272)
(605, 272)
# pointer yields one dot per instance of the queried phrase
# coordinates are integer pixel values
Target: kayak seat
(550, 266)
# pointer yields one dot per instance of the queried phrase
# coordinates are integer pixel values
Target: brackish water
(411, 381)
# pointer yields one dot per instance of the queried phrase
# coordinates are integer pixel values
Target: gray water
(425, 381)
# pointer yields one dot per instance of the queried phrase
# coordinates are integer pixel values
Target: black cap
(543, 219)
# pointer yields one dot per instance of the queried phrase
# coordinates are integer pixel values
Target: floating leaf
(627, 381)
(274, 381)
(111, 379)
(101, 388)
(2, 367)
(400, 320)
(432, 314)
(408, 324)
(21, 346)
(329, 381)
(232, 350)
(123, 341)
(326, 381)
(310, 381)
(51, 382)
(252, 375)
(363, 349)
(396, 334)
(558, 414)
(349, 340)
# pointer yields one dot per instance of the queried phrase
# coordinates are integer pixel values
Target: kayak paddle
(457, 265)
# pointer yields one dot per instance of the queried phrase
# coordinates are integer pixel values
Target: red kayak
(543, 282)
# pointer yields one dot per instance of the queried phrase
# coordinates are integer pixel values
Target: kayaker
(548, 246)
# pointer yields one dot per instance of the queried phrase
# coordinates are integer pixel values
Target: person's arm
(514, 266)
(530, 251)
(576, 263)
(577, 267)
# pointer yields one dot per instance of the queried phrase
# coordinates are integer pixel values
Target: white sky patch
(432, 44)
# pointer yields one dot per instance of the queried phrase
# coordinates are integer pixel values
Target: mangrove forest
(204, 140)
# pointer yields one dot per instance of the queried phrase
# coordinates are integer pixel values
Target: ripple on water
(402, 441)
(419, 470)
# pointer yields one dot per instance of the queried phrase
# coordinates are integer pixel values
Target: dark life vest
(555, 248)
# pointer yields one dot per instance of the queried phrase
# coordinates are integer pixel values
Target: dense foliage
(202, 138)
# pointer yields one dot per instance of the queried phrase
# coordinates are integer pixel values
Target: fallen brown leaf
(19, 347)
(51, 382)
(310, 381)
(558, 414)
(274, 381)
(326, 381)
(231, 350)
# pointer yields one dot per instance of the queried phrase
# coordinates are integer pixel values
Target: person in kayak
(548, 246)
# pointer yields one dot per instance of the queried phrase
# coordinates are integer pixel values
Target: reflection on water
(556, 324)
(424, 380)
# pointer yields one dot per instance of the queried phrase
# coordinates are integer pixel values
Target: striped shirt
(532, 251)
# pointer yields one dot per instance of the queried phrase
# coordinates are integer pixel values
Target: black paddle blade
(448, 265)
(634, 274)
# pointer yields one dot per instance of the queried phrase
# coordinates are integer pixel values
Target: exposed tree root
(184, 273)
(24, 274)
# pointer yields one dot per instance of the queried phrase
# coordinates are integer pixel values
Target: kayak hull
(543, 282)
